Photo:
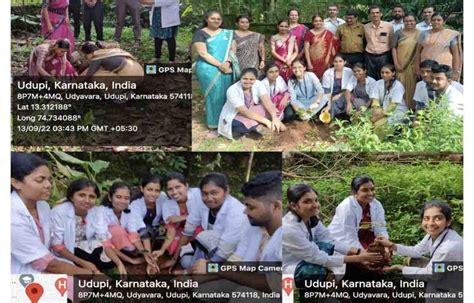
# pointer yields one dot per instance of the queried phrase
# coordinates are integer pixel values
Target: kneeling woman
(359, 88)
(247, 106)
(149, 206)
(49, 59)
(181, 200)
(110, 62)
(123, 225)
(307, 245)
(441, 243)
(220, 215)
(77, 236)
(277, 88)
(306, 93)
(388, 105)
(336, 81)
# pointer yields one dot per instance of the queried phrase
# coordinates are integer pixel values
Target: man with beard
(441, 78)
(398, 12)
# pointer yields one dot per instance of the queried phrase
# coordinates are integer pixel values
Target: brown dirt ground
(298, 136)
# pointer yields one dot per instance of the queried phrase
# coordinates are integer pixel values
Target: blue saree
(213, 83)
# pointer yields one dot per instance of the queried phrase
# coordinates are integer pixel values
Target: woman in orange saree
(440, 44)
(320, 47)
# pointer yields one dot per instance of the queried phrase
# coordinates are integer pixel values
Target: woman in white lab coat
(30, 219)
(181, 201)
(441, 243)
(78, 237)
(357, 221)
(123, 225)
(221, 218)
(148, 205)
(335, 83)
(307, 245)
(360, 217)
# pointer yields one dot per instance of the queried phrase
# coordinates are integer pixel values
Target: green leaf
(98, 165)
(88, 118)
(68, 158)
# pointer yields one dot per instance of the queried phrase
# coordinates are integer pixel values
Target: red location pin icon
(34, 291)
(287, 285)
(61, 285)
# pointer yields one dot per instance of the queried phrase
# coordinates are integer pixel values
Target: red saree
(322, 49)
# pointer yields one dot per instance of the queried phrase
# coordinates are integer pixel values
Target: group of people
(345, 248)
(208, 224)
(331, 69)
(203, 224)
(53, 57)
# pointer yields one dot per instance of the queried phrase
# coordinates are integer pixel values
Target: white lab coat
(297, 246)
(63, 226)
(131, 222)
(194, 205)
(344, 226)
(272, 251)
(395, 95)
(455, 100)
(138, 206)
(26, 244)
(280, 86)
(250, 241)
(328, 79)
(228, 224)
(235, 99)
(169, 12)
(369, 84)
(450, 250)
(421, 93)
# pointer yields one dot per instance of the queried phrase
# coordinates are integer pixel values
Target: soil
(299, 134)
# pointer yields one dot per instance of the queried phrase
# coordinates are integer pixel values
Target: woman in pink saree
(320, 47)
(284, 49)
(55, 21)
(440, 44)
(49, 59)
(297, 30)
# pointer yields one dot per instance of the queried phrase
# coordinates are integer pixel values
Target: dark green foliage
(402, 188)
(106, 168)
(434, 130)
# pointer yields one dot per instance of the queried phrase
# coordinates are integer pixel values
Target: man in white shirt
(333, 21)
(398, 12)
(441, 76)
(427, 12)
(424, 91)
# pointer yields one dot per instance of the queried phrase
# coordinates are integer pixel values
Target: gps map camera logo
(439, 267)
(150, 69)
(212, 267)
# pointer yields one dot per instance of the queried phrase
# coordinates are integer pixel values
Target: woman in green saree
(216, 66)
